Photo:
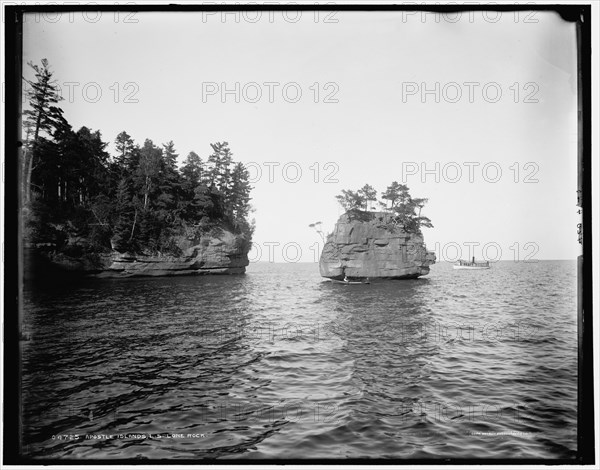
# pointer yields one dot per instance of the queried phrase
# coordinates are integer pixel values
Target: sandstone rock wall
(371, 246)
(223, 253)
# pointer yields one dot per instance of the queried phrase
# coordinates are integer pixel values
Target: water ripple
(278, 364)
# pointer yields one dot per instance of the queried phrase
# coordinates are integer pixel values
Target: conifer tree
(41, 118)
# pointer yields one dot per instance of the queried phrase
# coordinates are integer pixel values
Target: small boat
(462, 264)
(348, 281)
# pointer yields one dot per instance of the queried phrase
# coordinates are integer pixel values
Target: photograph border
(13, 269)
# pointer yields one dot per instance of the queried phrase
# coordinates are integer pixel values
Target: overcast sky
(384, 96)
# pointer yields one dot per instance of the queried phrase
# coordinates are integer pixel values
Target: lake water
(277, 364)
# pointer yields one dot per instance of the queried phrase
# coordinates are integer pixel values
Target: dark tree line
(138, 199)
(396, 200)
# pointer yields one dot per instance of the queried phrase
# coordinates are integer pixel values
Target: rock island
(385, 244)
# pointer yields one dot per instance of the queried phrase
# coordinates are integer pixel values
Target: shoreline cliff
(217, 252)
(370, 245)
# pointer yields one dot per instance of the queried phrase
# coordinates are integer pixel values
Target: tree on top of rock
(369, 193)
(397, 200)
(396, 194)
(351, 200)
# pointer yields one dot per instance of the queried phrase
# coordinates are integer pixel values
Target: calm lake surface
(278, 364)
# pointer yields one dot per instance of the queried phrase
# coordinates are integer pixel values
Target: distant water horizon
(280, 364)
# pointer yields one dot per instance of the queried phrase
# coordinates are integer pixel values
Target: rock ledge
(222, 253)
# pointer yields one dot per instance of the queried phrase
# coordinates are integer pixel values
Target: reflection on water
(278, 364)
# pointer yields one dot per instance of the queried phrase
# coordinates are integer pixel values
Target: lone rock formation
(369, 244)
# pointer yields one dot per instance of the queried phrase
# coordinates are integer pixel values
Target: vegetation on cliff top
(136, 200)
(396, 199)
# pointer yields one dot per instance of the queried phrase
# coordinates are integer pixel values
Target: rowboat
(347, 282)
(462, 264)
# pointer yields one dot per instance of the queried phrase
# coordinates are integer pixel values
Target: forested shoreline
(135, 200)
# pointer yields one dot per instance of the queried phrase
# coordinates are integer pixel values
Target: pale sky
(368, 132)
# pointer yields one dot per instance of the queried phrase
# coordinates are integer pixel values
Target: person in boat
(346, 279)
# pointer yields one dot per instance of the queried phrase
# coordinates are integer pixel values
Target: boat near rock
(350, 281)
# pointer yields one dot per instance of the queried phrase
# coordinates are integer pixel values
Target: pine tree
(169, 184)
(396, 193)
(42, 117)
(218, 178)
(126, 153)
(368, 193)
(124, 224)
(194, 192)
(191, 171)
(89, 168)
(240, 193)
(147, 172)
(351, 200)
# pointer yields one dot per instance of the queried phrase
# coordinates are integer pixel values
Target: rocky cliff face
(370, 245)
(218, 253)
